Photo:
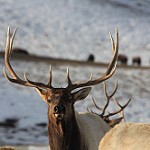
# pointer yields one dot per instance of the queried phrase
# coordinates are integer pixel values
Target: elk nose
(59, 109)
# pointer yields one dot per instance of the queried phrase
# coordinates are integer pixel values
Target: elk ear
(42, 93)
(81, 94)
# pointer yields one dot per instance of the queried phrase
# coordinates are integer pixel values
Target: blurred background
(72, 29)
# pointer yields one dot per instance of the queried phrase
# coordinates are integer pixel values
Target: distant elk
(122, 59)
(91, 58)
(20, 51)
(67, 129)
(136, 61)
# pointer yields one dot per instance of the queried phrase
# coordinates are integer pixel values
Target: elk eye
(56, 109)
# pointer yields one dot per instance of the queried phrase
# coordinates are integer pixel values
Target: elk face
(60, 101)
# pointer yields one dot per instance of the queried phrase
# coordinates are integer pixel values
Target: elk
(67, 129)
(127, 136)
(20, 51)
(122, 59)
(90, 58)
(136, 60)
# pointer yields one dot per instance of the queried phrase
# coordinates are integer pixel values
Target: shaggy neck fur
(65, 135)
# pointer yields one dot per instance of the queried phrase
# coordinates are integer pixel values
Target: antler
(108, 97)
(26, 82)
(118, 111)
(15, 78)
(121, 114)
(109, 72)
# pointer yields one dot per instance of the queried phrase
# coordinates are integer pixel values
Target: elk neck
(65, 135)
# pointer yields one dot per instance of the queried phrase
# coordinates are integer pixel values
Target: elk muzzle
(59, 112)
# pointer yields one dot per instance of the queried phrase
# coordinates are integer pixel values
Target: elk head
(60, 100)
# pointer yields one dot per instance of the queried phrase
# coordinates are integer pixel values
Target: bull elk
(67, 129)
(127, 136)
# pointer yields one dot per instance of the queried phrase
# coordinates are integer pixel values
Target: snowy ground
(75, 28)
(71, 29)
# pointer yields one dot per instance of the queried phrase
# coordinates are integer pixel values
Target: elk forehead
(59, 94)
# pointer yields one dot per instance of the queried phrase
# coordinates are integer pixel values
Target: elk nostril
(62, 108)
(56, 109)
(59, 109)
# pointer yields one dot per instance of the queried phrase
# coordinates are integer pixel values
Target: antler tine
(108, 97)
(113, 93)
(12, 40)
(34, 84)
(96, 104)
(121, 114)
(121, 109)
(50, 77)
(110, 69)
(7, 52)
(112, 42)
(91, 76)
(107, 100)
(68, 78)
(15, 78)
(115, 50)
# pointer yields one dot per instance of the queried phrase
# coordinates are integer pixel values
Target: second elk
(67, 129)
(127, 136)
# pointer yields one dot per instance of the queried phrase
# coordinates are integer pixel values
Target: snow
(73, 29)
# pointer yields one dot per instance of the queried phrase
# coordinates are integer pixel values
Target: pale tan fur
(127, 136)
(92, 129)
(7, 148)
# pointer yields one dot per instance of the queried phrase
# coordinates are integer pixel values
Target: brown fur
(65, 135)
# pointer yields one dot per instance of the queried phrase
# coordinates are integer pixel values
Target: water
(72, 29)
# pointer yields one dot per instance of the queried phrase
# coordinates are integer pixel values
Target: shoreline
(61, 61)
